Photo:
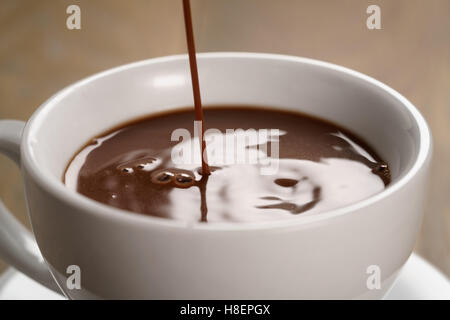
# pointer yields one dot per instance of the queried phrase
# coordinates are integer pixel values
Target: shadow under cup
(384, 119)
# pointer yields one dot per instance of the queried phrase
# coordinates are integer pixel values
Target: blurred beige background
(39, 56)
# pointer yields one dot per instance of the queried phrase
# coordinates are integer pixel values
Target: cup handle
(18, 246)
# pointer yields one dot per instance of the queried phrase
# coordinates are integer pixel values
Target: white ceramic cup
(127, 255)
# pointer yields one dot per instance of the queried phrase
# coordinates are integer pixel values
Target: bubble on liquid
(380, 167)
(383, 171)
(184, 180)
(127, 170)
(162, 177)
(146, 163)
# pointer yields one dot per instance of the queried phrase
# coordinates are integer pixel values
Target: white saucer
(418, 280)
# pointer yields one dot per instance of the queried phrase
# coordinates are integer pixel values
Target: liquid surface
(321, 167)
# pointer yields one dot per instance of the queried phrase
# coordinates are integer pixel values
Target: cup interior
(368, 108)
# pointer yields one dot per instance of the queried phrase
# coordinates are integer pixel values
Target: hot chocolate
(319, 166)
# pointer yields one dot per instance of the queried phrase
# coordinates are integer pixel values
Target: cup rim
(61, 192)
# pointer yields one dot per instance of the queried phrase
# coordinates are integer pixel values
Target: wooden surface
(39, 56)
